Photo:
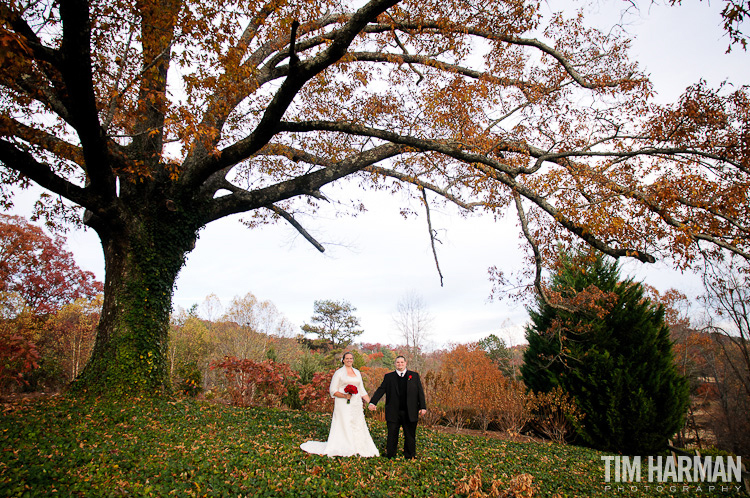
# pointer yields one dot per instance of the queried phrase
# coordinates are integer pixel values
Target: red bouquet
(350, 389)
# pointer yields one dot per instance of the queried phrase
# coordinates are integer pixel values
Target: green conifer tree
(609, 349)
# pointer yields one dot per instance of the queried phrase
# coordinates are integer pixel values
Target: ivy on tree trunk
(142, 261)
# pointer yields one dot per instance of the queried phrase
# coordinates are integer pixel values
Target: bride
(349, 434)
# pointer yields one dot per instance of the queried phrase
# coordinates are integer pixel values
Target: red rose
(350, 389)
(410, 377)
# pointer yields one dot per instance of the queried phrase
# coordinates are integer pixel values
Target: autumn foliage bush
(18, 357)
(516, 409)
(555, 414)
(20, 352)
(372, 376)
(190, 379)
(315, 396)
(470, 389)
(251, 383)
(432, 382)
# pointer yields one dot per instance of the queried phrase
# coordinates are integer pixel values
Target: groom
(404, 402)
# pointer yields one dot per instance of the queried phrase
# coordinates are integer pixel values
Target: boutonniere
(410, 377)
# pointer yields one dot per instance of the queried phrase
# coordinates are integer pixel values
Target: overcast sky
(375, 259)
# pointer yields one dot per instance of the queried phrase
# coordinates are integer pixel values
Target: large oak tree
(157, 117)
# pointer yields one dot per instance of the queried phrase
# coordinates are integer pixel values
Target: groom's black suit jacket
(415, 400)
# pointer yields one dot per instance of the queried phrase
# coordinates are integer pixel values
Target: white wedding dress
(349, 435)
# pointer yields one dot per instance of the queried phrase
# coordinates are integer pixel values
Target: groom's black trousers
(410, 436)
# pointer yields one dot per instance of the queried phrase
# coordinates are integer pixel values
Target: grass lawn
(186, 448)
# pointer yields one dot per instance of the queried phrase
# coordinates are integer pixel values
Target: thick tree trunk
(143, 256)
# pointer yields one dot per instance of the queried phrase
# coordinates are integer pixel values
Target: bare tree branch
(469, 206)
(537, 257)
(432, 234)
(434, 63)
(507, 38)
(290, 219)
